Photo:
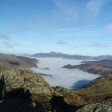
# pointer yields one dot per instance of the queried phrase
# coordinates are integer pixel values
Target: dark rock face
(2, 86)
(59, 105)
(19, 100)
(69, 66)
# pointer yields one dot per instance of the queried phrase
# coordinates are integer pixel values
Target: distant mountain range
(68, 56)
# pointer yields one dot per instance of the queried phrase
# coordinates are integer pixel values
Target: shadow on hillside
(2, 86)
(80, 84)
(19, 100)
(59, 105)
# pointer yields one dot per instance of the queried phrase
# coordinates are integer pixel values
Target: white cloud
(96, 5)
(4, 36)
(99, 45)
(93, 9)
(5, 40)
(67, 9)
(109, 27)
(61, 42)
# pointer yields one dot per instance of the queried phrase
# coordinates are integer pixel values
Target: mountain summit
(69, 56)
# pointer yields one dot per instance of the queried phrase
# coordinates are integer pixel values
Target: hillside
(25, 91)
(100, 88)
(8, 61)
(102, 67)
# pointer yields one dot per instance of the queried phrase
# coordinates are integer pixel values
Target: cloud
(92, 10)
(67, 13)
(6, 41)
(99, 45)
(61, 42)
(109, 27)
(95, 6)
(8, 45)
(32, 25)
(4, 36)
(65, 9)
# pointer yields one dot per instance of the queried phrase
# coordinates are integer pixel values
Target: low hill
(102, 67)
(9, 61)
(100, 88)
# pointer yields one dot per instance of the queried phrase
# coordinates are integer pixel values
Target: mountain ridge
(69, 56)
(100, 67)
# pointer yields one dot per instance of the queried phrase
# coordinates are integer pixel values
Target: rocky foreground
(25, 91)
(102, 67)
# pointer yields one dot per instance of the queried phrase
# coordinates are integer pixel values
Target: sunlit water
(62, 76)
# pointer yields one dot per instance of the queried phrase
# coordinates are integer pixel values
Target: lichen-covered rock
(19, 86)
(70, 97)
(74, 99)
(60, 91)
(104, 106)
(27, 80)
(24, 84)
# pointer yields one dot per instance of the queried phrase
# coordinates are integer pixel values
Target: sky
(69, 26)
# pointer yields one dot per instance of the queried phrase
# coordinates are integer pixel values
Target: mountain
(8, 61)
(68, 56)
(109, 57)
(25, 91)
(99, 93)
(101, 67)
(61, 55)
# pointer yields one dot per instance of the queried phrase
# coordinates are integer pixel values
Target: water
(69, 78)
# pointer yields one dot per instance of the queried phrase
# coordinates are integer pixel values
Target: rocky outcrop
(104, 106)
(25, 91)
(27, 80)
(17, 79)
(26, 85)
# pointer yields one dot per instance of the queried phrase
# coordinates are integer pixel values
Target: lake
(69, 78)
